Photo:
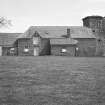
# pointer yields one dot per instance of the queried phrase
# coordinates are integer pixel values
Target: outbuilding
(63, 47)
(7, 44)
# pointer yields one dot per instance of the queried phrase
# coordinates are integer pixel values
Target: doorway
(0, 51)
(36, 51)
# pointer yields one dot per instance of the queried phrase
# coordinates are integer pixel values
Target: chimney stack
(68, 32)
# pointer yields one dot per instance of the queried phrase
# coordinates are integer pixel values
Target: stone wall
(100, 45)
(93, 22)
(25, 43)
(57, 50)
(6, 51)
(86, 47)
(97, 24)
(43, 47)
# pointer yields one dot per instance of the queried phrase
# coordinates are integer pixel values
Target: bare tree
(4, 22)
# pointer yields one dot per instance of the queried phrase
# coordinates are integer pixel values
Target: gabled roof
(45, 31)
(7, 39)
(81, 32)
(36, 34)
(63, 41)
(58, 32)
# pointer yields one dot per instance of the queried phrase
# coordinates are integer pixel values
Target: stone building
(32, 44)
(63, 47)
(7, 46)
(53, 40)
(86, 40)
(97, 25)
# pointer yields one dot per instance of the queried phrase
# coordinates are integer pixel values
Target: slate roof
(58, 32)
(81, 32)
(93, 16)
(63, 41)
(7, 39)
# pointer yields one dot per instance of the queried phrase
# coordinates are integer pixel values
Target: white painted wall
(35, 40)
(0, 50)
(36, 51)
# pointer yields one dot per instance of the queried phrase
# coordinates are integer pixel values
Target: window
(12, 50)
(26, 46)
(99, 40)
(26, 50)
(77, 48)
(93, 30)
(64, 50)
(35, 40)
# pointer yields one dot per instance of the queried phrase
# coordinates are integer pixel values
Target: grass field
(52, 81)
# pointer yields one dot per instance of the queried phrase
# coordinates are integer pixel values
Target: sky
(26, 13)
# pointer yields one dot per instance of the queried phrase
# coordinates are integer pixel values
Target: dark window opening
(93, 30)
(99, 40)
(26, 49)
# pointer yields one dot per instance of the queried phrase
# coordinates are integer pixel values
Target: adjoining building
(32, 44)
(63, 47)
(7, 46)
(86, 40)
(97, 25)
(78, 38)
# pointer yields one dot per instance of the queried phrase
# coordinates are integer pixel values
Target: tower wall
(93, 22)
(97, 24)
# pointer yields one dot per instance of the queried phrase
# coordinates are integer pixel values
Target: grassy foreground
(52, 81)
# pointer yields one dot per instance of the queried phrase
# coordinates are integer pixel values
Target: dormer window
(36, 34)
(36, 37)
